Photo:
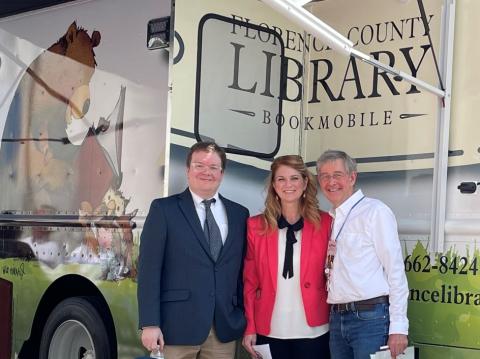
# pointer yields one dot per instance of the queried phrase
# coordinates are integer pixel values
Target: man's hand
(152, 338)
(248, 341)
(397, 344)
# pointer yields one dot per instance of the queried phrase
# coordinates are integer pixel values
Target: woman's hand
(248, 342)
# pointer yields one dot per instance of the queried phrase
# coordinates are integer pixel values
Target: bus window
(238, 81)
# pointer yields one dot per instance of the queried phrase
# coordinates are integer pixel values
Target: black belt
(367, 304)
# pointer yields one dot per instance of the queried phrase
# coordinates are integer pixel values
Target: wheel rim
(71, 340)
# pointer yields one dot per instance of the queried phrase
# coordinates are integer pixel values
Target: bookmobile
(101, 99)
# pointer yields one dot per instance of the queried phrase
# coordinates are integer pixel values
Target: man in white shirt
(367, 286)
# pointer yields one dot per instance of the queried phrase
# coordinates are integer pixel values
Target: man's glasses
(200, 167)
(325, 177)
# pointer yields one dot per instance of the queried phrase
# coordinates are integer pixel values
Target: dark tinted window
(8, 8)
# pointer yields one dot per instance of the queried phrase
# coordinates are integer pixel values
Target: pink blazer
(260, 274)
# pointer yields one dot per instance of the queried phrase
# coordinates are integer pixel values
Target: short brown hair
(207, 147)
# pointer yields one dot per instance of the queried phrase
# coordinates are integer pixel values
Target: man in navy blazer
(191, 304)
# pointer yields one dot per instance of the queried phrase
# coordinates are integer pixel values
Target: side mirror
(468, 187)
(158, 33)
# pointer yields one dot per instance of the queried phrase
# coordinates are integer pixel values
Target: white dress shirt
(288, 317)
(218, 210)
(369, 261)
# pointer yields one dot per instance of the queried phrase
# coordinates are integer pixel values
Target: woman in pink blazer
(284, 284)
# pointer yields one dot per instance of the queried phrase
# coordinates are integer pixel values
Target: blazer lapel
(232, 226)
(188, 209)
(272, 253)
(306, 243)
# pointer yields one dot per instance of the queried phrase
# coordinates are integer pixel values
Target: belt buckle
(343, 307)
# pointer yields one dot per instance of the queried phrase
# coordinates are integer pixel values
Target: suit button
(212, 294)
(307, 285)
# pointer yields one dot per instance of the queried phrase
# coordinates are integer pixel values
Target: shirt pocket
(353, 244)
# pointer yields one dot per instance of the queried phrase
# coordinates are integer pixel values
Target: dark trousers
(308, 348)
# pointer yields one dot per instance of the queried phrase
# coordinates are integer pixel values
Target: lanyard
(345, 221)
(331, 250)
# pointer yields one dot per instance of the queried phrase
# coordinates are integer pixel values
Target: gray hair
(333, 155)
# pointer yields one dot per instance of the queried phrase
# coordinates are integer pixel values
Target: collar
(345, 207)
(197, 200)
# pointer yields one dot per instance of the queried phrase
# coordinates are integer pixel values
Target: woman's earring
(303, 194)
(278, 199)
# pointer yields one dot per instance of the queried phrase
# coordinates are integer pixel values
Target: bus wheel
(75, 330)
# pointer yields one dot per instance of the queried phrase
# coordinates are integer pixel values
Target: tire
(75, 330)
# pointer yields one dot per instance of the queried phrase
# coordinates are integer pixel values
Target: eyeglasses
(200, 167)
(325, 177)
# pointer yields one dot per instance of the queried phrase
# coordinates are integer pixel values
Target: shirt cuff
(400, 327)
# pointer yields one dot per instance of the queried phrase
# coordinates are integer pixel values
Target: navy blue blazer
(180, 288)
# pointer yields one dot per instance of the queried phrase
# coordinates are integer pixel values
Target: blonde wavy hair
(309, 208)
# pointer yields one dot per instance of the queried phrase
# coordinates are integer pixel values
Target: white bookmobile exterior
(96, 122)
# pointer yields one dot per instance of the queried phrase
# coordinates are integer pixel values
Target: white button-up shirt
(218, 210)
(369, 261)
(289, 320)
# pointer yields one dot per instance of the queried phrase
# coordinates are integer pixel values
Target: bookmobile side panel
(83, 117)
(390, 128)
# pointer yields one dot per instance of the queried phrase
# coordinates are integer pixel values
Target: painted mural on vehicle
(83, 128)
(55, 159)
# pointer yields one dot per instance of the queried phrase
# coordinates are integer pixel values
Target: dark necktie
(291, 240)
(211, 230)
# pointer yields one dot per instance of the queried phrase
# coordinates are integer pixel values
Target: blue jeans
(357, 334)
